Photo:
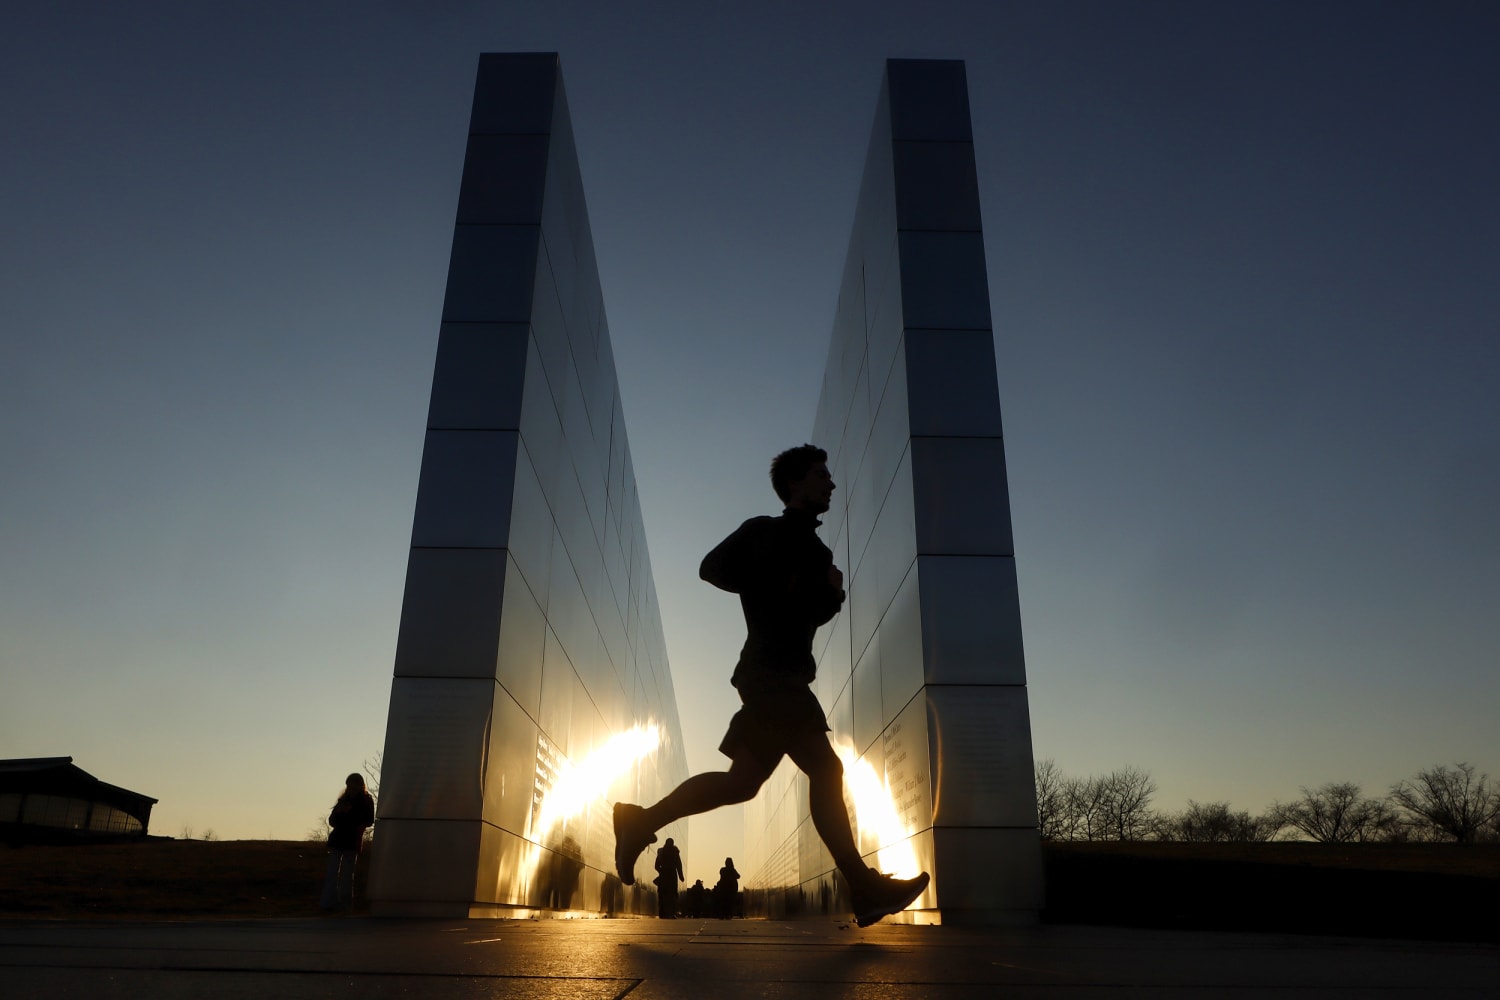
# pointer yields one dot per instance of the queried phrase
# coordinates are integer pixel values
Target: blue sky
(1241, 261)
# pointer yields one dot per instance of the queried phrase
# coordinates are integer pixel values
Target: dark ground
(1423, 891)
(165, 880)
(1429, 891)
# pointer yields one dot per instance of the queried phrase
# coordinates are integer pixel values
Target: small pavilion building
(51, 800)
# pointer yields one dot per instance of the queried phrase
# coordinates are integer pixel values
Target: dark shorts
(780, 717)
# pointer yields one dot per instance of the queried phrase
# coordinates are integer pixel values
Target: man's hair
(793, 464)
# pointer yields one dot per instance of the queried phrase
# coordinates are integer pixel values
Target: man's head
(801, 479)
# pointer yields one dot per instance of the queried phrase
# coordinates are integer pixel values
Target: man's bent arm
(822, 610)
(731, 565)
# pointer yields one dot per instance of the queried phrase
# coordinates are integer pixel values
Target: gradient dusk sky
(1243, 271)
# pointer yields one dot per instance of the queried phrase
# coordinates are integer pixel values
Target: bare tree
(1051, 800)
(1448, 802)
(1125, 804)
(1083, 809)
(1336, 813)
(1115, 806)
(371, 767)
(1215, 822)
(318, 832)
(1107, 807)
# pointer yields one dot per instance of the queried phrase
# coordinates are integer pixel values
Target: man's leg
(825, 793)
(875, 895)
(710, 790)
(636, 827)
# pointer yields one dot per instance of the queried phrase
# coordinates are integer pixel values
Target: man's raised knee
(746, 780)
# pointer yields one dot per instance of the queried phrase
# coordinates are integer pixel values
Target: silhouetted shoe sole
(629, 843)
(871, 911)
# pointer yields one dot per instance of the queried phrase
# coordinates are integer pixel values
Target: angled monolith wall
(531, 681)
(922, 674)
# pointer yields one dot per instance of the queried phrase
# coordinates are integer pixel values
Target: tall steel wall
(922, 674)
(530, 666)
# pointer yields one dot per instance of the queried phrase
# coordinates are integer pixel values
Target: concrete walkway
(367, 958)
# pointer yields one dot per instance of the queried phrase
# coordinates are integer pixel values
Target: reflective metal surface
(502, 180)
(515, 94)
(901, 649)
(962, 501)
(510, 771)
(937, 186)
(904, 761)
(888, 432)
(922, 673)
(541, 430)
(560, 688)
(464, 494)
(1011, 860)
(929, 100)
(943, 281)
(437, 869)
(436, 741)
(451, 613)
(951, 386)
(979, 745)
(478, 376)
(970, 606)
(550, 329)
(868, 719)
(531, 529)
(489, 274)
(532, 686)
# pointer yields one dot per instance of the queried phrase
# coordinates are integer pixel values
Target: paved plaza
(677, 960)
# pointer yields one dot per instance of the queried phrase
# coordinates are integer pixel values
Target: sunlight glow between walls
(875, 816)
(578, 785)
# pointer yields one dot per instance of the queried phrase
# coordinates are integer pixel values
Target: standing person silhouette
(352, 814)
(668, 874)
(788, 586)
(727, 891)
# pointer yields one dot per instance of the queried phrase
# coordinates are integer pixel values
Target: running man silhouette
(788, 587)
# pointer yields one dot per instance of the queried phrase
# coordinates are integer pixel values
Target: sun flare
(875, 815)
(573, 787)
(576, 785)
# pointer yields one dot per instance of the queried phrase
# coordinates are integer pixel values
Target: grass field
(1441, 891)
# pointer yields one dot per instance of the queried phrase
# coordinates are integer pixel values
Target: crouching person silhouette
(788, 587)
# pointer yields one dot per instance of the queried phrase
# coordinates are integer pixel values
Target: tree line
(1442, 803)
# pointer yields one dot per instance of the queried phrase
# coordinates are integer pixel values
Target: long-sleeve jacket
(669, 865)
(351, 816)
(780, 569)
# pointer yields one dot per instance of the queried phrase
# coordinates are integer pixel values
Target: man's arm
(734, 563)
(832, 597)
